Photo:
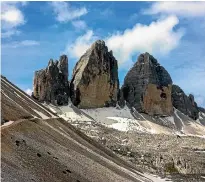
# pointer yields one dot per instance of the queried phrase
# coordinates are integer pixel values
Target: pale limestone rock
(95, 81)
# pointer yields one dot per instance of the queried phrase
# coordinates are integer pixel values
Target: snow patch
(53, 110)
(68, 114)
(199, 151)
(170, 119)
(72, 116)
(103, 115)
(43, 116)
(123, 124)
(7, 123)
(203, 114)
(155, 178)
(175, 112)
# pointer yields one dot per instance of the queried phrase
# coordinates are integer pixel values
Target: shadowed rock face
(201, 109)
(184, 103)
(147, 87)
(95, 81)
(51, 84)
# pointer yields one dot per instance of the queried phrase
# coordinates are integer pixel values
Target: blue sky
(173, 32)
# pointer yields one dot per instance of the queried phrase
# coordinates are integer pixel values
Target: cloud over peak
(158, 37)
(81, 44)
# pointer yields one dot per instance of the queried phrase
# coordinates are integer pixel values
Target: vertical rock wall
(95, 78)
(51, 84)
(147, 87)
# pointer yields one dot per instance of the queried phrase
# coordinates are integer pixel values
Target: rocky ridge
(184, 103)
(147, 86)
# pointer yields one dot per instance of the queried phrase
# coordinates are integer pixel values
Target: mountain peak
(95, 78)
(147, 86)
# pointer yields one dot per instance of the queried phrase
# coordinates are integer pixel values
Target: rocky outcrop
(95, 81)
(147, 87)
(51, 84)
(184, 103)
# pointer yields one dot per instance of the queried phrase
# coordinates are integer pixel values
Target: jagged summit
(99, 43)
(51, 84)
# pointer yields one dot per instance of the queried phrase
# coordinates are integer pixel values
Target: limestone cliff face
(51, 84)
(95, 81)
(157, 101)
(147, 87)
(184, 103)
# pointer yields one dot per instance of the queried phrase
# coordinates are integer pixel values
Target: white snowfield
(123, 120)
(68, 113)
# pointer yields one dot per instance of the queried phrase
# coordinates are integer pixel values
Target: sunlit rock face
(95, 81)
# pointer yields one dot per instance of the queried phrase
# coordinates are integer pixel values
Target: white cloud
(185, 9)
(29, 43)
(65, 13)
(158, 37)
(11, 18)
(79, 24)
(23, 43)
(107, 12)
(82, 43)
(9, 33)
(29, 91)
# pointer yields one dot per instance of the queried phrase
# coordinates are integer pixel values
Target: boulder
(95, 81)
(147, 87)
(51, 84)
(184, 103)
